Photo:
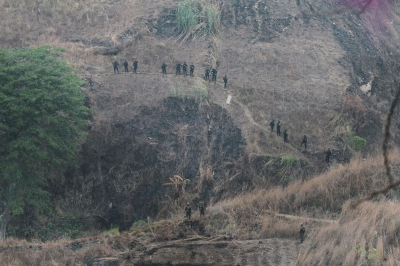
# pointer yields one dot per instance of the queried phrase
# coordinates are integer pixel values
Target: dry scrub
(15, 252)
(327, 191)
(367, 235)
(254, 214)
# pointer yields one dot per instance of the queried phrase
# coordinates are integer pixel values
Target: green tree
(42, 123)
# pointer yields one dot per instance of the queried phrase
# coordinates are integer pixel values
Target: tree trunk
(4, 219)
(6, 215)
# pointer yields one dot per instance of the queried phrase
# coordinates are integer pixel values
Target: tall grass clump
(200, 17)
(112, 231)
(200, 92)
(187, 14)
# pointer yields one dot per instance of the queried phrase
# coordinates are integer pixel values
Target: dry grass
(17, 252)
(78, 25)
(159, 230)
(92, 17)
(321, 197)
(327, 191)
(368, 235)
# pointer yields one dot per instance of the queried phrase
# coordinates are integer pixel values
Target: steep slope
(321, 68)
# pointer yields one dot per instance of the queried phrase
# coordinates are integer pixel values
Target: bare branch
(385, 144)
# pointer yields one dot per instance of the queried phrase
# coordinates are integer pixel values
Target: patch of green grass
(114, 231)
(289, 160)
(199, 92)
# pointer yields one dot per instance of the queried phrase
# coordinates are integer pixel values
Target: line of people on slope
(126, 66)
(178, 69)
(328, 152)
(183, 66)
(188, 210)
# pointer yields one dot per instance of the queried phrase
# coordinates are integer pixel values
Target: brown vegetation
(322, 196)
(367, 235)
(272, 213)
(15, 252)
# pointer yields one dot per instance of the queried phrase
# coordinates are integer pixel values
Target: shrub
(139, 223)
(114, 231)
(356, 143)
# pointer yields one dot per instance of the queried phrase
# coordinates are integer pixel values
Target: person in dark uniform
(191, 70)
(178, 69)
(209, 135)
(225, 81)
(115, 64)
(135, 63)
(285, 136)
(278, 128)
(328, 154)
(184, 69)
(207, 74)
(302, 231)
(304, 142)
(272, 124)
(201, 209)
(164, 68)
(90, 81)
(126, 66)
(188, 211)
(214, 74)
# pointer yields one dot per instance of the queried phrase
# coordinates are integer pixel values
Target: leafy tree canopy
(42, 123)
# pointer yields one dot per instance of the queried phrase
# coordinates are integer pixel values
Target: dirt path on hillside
(303, 218)
(254, 132)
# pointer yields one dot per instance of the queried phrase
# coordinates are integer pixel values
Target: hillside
(324, 69)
